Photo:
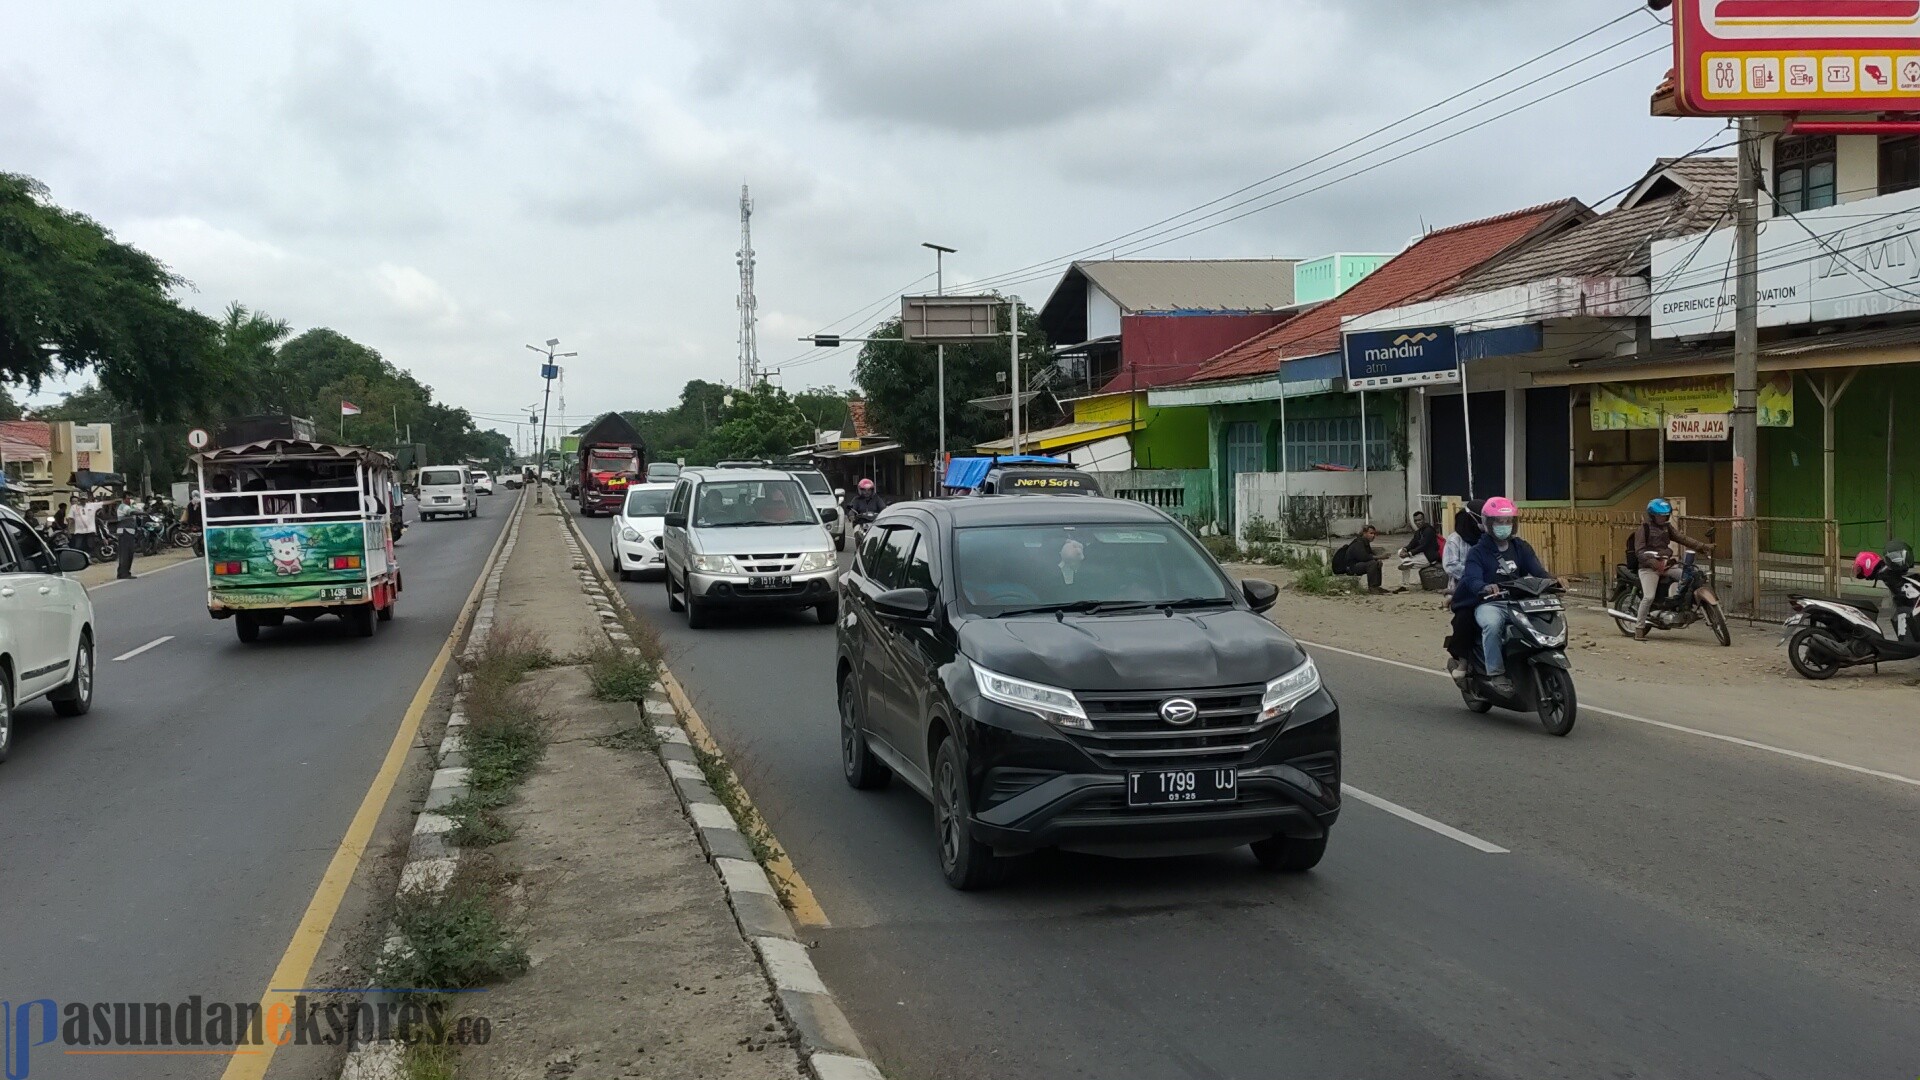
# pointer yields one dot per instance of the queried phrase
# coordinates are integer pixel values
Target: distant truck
(612, 458)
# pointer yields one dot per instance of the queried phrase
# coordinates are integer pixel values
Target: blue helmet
(1660, 508)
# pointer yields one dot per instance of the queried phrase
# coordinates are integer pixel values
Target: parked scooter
(1827, 633)
(1676, 605)
(1534, 642)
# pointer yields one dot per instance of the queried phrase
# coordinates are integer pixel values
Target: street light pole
(1746, 372)
(940, 351)
(547, 372)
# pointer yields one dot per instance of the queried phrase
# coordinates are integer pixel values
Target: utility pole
(940, 353)
(1014, 403)
(1746, 372)
(549, 371)
(749, 344)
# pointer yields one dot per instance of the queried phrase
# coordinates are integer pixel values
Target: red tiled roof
(26, 440)
(1433, 264)
(857, 418)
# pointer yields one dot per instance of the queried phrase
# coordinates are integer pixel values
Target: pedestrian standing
(126, 533)
(81, 524)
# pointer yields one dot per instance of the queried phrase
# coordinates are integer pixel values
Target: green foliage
(619, 675)
(768, 422)
(456, 939)
(1316, 580)
(900, 382)
(1221, 547)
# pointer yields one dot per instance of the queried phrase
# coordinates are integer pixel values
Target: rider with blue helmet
(1650, 551)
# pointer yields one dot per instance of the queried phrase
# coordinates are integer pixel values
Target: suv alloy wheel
(76, 698)
(967, 863)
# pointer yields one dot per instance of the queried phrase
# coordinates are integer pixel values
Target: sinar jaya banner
(1645, 406)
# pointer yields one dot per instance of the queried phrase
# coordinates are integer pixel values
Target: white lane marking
(1424, 821)
(1682, 728)
(154, 644)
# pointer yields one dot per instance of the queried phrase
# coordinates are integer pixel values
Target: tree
(900, 383)
(760, 423)
(72, 299)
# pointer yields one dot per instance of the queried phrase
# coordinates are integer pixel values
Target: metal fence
(1796, 555)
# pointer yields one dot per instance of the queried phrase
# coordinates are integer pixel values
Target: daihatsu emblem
(1179, 711)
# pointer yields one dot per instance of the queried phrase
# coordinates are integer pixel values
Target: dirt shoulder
(1747, 690)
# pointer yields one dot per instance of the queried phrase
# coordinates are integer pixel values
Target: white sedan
(635, 540)
(482, 483)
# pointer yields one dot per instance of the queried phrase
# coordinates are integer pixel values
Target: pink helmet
(1865, 565)
(865, 484)
(1498, 507)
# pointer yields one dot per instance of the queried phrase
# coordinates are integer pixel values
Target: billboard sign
(953, 320)
(1748, 57)
(1856, 260)
(1697, 427)
(1382, 359)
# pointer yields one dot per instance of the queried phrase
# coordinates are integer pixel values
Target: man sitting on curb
(1358, 559)
(1422, 551)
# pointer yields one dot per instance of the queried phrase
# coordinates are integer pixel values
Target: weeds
(504, 737)
(477, 821)
(1222, 548)
(620, 674)
(429, 1060)
(635, 737)
(1317, 580)
(457, 938)
(726, 787)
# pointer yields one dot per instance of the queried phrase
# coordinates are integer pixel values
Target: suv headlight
(815, 560)
(1049, 703)
(1289, 690)
(715, 564)
(630, 534)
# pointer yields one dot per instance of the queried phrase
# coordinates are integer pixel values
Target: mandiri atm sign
(1747, 57)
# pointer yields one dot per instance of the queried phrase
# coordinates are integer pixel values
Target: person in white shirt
(82, 521)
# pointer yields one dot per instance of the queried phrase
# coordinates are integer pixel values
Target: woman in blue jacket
(1500, 556)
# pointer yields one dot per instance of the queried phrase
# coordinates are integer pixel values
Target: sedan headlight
(814, 561)
(630, 534)
(1289, 690)
(1049, 703)
(715, 564)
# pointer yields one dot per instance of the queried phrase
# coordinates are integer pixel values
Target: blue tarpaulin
(968, 473)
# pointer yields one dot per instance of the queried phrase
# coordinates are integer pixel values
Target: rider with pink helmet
(1500, 556)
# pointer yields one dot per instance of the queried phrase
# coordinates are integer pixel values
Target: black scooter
(1534, 642)
(1827, 633)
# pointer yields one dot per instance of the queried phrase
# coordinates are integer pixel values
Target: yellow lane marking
(311, 933)
(804, 906)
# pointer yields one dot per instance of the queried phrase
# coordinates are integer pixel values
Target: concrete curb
(828, 1044)
(432, 857)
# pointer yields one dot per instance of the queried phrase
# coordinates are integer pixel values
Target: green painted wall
(1392, 406)
(1792, 474)
(1172, 439)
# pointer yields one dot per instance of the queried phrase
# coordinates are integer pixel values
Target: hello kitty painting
(285, 553)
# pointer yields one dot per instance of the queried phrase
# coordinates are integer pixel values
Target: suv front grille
(768, 564)
(1128, 731)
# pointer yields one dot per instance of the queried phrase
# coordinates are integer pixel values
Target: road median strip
(753, 868)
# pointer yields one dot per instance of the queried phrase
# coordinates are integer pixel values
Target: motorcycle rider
(1500, 556)
(1891, 571)
(866, 500)
(1650, 551)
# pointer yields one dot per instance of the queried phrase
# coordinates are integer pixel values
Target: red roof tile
(1433, 264)
(857, 418)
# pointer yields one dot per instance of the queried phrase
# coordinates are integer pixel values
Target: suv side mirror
(674, 521)
(911, 605)
(839, 493)
(1261, 595)
(72, 560)
(829, 514)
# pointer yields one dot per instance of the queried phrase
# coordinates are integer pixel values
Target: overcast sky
(449, 181)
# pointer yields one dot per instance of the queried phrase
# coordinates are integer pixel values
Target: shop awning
(1064, 437)
(1856, 348)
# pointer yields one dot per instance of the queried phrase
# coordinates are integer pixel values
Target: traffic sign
(198, 438)
(1753, 57)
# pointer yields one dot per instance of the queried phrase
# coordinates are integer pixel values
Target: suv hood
(761, 539)
(1190, 651)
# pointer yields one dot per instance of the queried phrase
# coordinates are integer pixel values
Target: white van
(447, 490)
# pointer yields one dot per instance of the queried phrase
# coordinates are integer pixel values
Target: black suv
(1058, 671)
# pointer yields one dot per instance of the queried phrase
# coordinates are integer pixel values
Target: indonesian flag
(348, 408)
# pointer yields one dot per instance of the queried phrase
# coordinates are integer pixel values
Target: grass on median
(458, 938)
(1316, 580)
(505, 735)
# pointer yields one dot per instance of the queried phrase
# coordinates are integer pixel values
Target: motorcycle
(1827, 633)
(861, 522)
(1534, 642)
(1676, 606)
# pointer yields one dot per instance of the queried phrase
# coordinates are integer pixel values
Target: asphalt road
(167, 843)
(1669, 906)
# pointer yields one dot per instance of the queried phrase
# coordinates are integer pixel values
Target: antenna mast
(749, 345)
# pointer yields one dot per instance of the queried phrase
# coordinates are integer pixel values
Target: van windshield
(441, 478)
(739, 503)
(815, 483)
(1027, 567)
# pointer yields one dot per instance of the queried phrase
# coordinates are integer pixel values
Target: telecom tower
(749, 345)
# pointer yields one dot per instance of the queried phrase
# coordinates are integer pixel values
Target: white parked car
(447, 491)
(825, 497)
(635, 542)
(482, 483)
(46, 627)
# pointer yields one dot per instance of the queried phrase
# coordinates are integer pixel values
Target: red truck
(612, 458)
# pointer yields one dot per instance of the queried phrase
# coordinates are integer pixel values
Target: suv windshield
(441, 478)
(648, 503)
(734, 503)
(1018, 568)
(815, 483)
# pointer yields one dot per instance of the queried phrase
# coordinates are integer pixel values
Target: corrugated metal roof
(1143, 285)
(1432, 265)
(1774, 354)
(1678, 197)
